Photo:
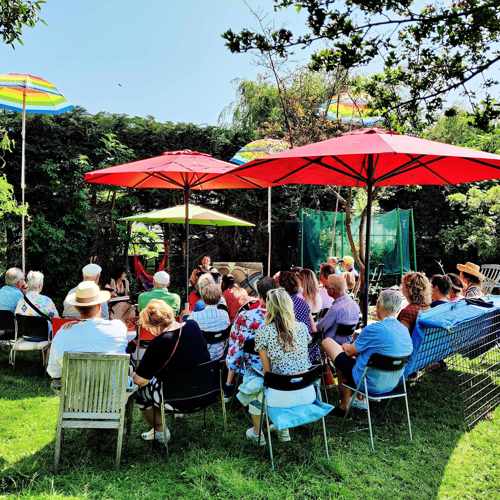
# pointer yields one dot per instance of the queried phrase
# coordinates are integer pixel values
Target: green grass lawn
(443, 461)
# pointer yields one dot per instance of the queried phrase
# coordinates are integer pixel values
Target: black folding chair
(381, 363)
(32, 333)
(289, 383)
(7, 328)
(193, 391)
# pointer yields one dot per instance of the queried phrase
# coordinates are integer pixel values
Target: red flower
(255, 325)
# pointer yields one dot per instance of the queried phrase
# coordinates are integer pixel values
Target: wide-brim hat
(87, 294)
(471, 268)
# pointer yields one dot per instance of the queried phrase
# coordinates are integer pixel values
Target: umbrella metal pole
(23, 183)
(269, 238)
(369, 191)
(186, 222)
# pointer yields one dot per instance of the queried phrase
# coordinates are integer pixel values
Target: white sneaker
(149, 435)
(253, 436)
(359, 404)
(284, 436)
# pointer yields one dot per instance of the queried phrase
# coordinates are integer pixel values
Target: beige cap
(91, 270)
(162, 278)
(87, 294)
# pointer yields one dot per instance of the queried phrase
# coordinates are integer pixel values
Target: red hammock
(142, 275)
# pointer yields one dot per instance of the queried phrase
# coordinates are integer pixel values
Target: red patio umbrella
(370, 158)
(186, 170)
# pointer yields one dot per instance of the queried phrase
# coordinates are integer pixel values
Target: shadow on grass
(206, 462)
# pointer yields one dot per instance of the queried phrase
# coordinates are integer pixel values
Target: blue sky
(168, 55)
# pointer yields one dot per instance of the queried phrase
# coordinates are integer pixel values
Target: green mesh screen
(392, 239)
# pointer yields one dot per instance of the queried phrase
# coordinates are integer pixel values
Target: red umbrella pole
(186, 222)
(369, 191)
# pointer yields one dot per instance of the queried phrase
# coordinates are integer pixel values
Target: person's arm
(54, 365)
(140, 381)
(266, 364)
(350, 349)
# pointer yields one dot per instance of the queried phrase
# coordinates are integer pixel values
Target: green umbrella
(197, 215)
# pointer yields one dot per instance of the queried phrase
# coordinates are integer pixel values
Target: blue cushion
(286, 418)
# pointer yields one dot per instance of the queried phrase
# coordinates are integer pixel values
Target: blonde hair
(156, 316)
(417, 288)
(279, 307)
(211, 294)
(310, 285)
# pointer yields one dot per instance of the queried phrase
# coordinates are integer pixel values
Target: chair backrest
(195, 388)
(32, 327)
(491, 273)
(387, 363)
(222, 307)
(217, 337)
(345, 330)
(7, 325)
(322, 313)
(93, 385)
(292, 382)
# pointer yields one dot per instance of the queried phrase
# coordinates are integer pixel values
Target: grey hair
(13, 276)
(204, 280)
(390, 300)
(35, 281)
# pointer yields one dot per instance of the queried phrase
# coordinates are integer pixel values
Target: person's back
(11, 293)
(388, 337)
(91, 334)
(171, 299)
(33, 296)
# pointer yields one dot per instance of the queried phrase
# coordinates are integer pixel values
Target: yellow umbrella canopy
(197, 215)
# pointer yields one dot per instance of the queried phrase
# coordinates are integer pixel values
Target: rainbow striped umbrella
(26, 93)
(352, 109)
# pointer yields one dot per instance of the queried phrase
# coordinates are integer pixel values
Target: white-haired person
(94, 334)
(212, 318)
(282, 344)
(43, 303)
(161, 282)
(176, 349)
(387, 336)
(12, 292)
(92, 273)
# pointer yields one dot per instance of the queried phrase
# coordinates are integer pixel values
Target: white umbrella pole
(269, 243)
(23, 183)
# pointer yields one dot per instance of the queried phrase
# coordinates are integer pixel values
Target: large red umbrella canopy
(184, 170)
(370, 158)
(174, 170)
(395, 160)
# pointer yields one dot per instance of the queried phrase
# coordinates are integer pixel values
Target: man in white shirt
(92, 333)
(90, 272)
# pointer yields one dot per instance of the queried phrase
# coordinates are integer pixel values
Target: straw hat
(470, 268)
(87, 294)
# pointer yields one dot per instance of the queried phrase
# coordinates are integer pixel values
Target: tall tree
(15, 15)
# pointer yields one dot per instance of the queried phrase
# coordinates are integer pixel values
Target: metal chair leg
(224, 416)
(269, 439)
(407, 410)
(369, 418)
(325, 438)
(164, 422)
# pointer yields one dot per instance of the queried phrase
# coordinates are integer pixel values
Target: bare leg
(345, 394)
(153, 418)
(230, 377)
(256, 423)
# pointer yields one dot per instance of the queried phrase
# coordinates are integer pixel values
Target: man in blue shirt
(11, 293)
(387, 336)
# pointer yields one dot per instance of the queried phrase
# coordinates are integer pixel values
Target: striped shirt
(212, 319)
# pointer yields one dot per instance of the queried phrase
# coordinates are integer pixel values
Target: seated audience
(95, 334)
(195, 300)
(90, 272)
(234, 295)
(42, 302)
(441, 286)
(332, 261)
(119, 286)
(244, 327)
(310, 290)
(212, 318)
(471, 277)
(291, 283)
(344, 310)
(12, 292)
(456, 287)
(349, 272)
(386, 336)
(282, 344)
(161, 282)
(416, 288)
(176, 349)
(325, 271)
